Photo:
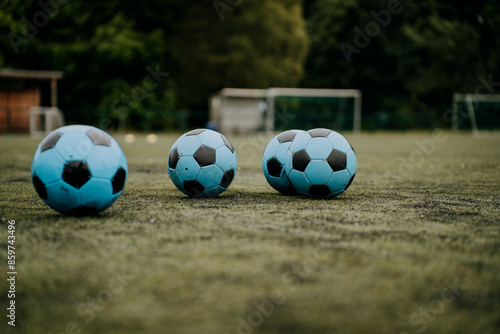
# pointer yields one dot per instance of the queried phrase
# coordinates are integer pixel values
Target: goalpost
(306, 107)
(477, 112)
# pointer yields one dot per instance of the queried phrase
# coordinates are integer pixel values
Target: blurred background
(109, 59)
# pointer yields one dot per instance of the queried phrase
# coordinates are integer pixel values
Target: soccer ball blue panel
(79, 170)
(321, 163)
(202, 163)
(274, 159)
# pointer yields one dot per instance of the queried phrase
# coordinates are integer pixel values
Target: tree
(98, 47)
(257, 45)
(105, 47)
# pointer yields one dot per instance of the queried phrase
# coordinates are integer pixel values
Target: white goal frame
(469, 100)
(272, 93)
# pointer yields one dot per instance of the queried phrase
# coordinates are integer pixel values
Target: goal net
(300, 108)
(479, 113)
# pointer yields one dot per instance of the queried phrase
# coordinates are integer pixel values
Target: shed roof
(31, 74)
(242, 92)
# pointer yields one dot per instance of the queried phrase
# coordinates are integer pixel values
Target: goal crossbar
(274, 92)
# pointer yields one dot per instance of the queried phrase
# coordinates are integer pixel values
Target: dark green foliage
(105, 48)
(426, 52)
(258, 45)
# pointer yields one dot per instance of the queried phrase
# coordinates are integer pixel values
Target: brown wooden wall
(15, 107)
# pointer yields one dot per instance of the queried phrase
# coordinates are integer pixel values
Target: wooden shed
(20, 90)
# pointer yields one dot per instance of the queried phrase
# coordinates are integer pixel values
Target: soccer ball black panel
(118, 180)
(286, 136)
(291, 190)
(274, 167)
(350, 181)
(173, 158)
(82, 211)
(227, 178)
(194, 132)
(319, 191)
(99, 138)
(228, 144)
(337, 160)
(40, 187)
(76, 173)
(300, 160)
(319, 132)
(194, 188)
(204, 155)
(50, 141)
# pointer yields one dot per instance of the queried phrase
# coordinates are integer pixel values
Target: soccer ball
(79, 170)
(274, 159)
(321, 163)
(202, 163)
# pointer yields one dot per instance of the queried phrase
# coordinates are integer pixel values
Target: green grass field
(413, 246)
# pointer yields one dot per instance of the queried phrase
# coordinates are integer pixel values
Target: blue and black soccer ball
(321, 163)
(202, 163)
(274, 160)
(79, 170)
